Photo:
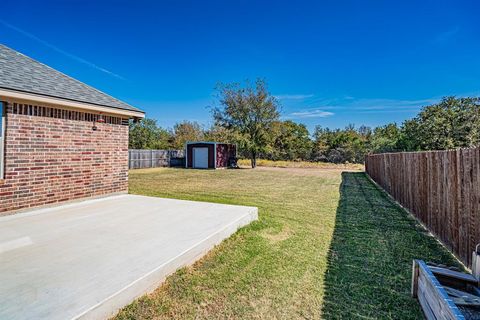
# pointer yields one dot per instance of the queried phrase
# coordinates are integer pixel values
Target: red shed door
(200, 158)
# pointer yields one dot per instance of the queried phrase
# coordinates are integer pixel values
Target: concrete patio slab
(87, 260)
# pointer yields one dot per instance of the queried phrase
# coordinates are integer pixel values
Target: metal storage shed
(210, 155)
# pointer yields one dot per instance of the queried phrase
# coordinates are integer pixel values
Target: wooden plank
(425, 300)
(476, 199)
(462, 298)
(473, 191)
(441, 304)
(427, 311)
(435, 304)
(465, 226)
(414, 279)
(454, 274)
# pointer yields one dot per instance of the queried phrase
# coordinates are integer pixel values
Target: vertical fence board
(441, 188)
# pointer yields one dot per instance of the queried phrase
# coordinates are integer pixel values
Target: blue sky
(330, 63)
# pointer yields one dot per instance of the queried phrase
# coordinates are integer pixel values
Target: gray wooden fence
(138, 159)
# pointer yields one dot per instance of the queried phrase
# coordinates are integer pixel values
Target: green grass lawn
(327, 245)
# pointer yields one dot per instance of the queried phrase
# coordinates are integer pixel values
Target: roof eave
(6, 94)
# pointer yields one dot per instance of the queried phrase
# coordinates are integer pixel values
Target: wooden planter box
(444, 293)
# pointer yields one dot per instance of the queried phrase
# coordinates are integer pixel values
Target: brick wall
(50, 160)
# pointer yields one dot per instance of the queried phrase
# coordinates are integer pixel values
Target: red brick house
(60, 139)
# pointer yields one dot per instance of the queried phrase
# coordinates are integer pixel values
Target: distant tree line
(249, 116)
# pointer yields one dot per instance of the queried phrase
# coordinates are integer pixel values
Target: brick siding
(50, 160)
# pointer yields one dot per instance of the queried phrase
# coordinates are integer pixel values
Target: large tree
(451, 123)
(347, 145)
(249, 111)
(187, 131)
(291, 141)
(221, 134)
(385, 139)
(146, 134)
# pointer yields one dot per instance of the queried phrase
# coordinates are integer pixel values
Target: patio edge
(153, 279)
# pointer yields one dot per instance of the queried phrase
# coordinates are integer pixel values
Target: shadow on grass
(370, 257)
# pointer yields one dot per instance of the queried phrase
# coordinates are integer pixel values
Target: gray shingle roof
(21, 73)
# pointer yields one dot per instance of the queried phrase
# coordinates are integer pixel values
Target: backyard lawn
(328, 244)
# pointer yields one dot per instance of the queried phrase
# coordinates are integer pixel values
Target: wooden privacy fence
(440, 188)
(138, 159)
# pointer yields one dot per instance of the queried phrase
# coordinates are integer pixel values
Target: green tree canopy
(290, 141)
(250, 112)
(187, 131)
(347, 145)
(451, 123)
(248, 115)
(385, 139)
(146, 134)
(221, 134)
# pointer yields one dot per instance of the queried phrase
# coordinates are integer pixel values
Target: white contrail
(53, 47)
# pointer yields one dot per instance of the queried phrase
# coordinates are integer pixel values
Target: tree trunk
(253, 160)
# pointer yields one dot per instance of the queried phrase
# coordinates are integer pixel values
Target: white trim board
(30, 97)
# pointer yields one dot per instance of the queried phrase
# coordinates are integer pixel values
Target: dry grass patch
(275, 236)
(302, 164)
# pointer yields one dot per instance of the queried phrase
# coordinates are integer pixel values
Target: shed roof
(207, 142)
(24, 74)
